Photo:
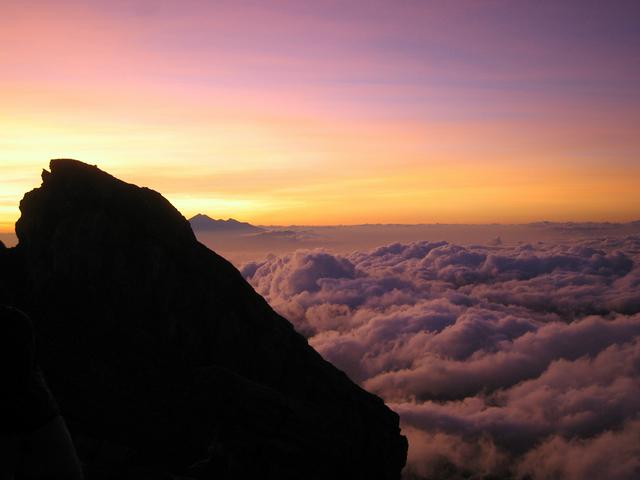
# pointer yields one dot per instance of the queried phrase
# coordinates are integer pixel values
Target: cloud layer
(506, 360)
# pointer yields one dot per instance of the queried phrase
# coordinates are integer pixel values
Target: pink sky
(332, 112)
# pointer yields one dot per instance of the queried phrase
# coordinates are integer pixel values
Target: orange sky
(331, 112)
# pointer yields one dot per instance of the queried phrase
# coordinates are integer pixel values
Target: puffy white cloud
(505, 360)
(613, 454)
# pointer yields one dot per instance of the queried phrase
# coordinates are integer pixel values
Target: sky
(332, 112)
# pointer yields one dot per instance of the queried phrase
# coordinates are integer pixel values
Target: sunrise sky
(324, 112)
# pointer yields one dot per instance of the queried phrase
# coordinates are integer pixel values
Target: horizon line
(417, 224)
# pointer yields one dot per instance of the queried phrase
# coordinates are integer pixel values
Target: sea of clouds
(519, 361)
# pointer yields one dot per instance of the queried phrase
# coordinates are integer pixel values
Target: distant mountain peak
(202, 222)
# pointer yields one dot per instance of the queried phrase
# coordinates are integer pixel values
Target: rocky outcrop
(164, 359)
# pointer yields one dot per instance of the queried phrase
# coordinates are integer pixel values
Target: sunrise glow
(330, 112)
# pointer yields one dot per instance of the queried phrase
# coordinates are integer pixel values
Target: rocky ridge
(164, 360)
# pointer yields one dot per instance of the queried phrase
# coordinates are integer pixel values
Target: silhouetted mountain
(164, 359)
(207, 224)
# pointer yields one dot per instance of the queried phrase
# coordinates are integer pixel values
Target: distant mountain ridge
(205, 223)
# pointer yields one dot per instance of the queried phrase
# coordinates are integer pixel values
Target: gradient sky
(321, 112)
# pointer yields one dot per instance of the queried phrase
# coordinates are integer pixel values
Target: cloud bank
(517, 361)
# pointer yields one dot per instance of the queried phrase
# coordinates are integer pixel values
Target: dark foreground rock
(164, 360)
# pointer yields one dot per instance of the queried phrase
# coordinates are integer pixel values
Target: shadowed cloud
(506, 360)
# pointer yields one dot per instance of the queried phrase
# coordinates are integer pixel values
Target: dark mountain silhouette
(164, 359)
(205, 223)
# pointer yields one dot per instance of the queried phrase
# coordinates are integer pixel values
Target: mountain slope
(164, 359)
